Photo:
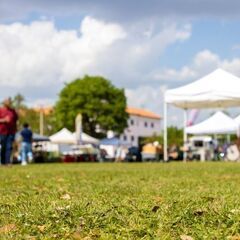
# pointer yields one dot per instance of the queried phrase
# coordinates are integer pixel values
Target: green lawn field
(120, 201)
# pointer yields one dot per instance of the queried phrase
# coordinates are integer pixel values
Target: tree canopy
(32, 116)
(101, 104)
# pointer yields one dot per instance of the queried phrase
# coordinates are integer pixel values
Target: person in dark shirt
(8, 128)
(26, 145)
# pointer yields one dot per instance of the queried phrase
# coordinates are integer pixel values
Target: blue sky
(218, 36)
(143, 46)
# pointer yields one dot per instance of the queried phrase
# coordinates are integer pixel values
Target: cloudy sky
(143, 46)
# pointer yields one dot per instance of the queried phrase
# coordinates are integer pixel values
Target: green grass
(120, 201)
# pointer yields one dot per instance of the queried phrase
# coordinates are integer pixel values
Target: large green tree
(101, 104)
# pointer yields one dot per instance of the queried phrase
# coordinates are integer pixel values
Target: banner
(193, 114)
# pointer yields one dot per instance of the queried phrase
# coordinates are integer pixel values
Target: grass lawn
(120, 201)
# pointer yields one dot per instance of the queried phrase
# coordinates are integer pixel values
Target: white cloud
(232, 66)
(131, 61)
(236, 47)
(39, 55)
(146, 97)
(36, 59)
(203, 63)
(97, 33)
(173, 74)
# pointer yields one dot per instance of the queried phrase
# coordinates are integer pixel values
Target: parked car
(133, 155)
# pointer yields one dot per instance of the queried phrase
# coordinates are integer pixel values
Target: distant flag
(192, 117)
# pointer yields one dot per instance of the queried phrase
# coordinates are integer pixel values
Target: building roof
(142, 113)
(130, 110)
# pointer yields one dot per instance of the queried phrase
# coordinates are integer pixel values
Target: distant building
(141, 123)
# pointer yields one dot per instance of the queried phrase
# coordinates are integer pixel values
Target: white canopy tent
(218, 89)
(87, 139)
(65, 136)
(219, 123)
(237, 119)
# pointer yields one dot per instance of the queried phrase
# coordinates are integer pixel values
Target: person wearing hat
(8, 128)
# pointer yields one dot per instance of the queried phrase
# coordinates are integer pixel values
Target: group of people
(8, 130)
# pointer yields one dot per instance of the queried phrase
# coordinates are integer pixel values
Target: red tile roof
(142, 113)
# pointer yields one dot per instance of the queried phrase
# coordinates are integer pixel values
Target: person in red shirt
(8, 128)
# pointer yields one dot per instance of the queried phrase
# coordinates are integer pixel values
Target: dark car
(133, 155)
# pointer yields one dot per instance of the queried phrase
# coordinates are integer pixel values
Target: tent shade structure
(112, 146)
(36, 137)
(40, 138)
(114, 141)
(64, 136)
(85, 138)
(237, 119)
(217, 89)
(219, 123)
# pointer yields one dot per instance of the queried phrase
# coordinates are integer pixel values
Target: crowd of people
(8, 129)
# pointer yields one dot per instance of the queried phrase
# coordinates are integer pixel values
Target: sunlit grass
(120, 201)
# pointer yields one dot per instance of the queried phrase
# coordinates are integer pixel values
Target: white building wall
(140, 127)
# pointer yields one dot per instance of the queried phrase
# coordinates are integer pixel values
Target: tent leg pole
(228, 138)
(165, 142)
(185, 135)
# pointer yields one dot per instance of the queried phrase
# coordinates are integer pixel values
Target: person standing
(26, 145)
(8, 128)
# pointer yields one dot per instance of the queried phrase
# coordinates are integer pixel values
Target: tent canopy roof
(114, 141)
(63, 136)
(36, 137)
(87, 138)
(237, 119)
(40, 138)
(67, 137)
(219, 123)
(217, 89)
